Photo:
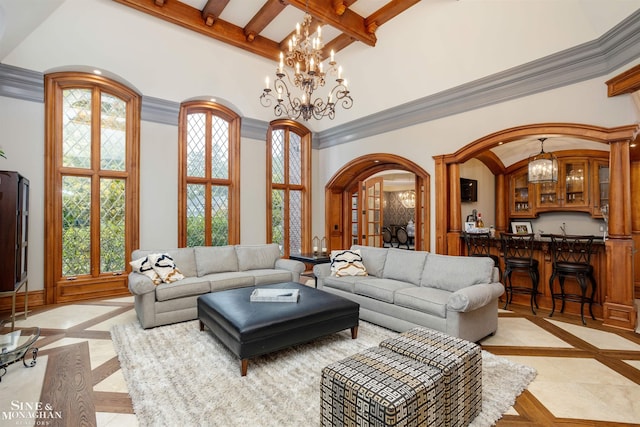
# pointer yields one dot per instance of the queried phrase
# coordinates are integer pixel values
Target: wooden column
(635, 224)
(619, 309)
(502, 199)
(454, 245)
(442, 204)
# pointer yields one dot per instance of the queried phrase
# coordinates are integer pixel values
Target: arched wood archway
(618, 308)
(340, 187)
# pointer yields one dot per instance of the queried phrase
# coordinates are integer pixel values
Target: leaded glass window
(289, 157)
(209, 190)
(92, 179)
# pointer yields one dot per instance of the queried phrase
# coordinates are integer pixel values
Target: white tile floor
(579, 387)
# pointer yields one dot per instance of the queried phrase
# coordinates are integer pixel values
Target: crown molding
(596, 58)
(20, 83)
(599, 57)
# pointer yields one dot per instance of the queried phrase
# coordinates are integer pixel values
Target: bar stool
(571, 257)
(517, 250)
(479, 244)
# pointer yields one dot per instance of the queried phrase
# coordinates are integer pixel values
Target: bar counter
(542, 253)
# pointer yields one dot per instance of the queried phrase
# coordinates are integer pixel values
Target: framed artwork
(469, 226)
(521, 227)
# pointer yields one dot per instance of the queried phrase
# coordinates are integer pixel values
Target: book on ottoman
(274, 295)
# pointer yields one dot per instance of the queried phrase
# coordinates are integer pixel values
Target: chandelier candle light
(303, 68)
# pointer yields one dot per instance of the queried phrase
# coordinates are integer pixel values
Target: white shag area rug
(178, 375)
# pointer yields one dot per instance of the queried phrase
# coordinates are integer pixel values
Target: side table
(313, 259)
(14, 345)
(14, 294)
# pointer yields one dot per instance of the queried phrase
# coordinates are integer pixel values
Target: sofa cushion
(183, 257)
(215, 259)
(428, 300)
(187, 287)
(229, 280)
(166, 268)
(372, 258)
(451, 273)
(266, 277)
(380, 289)
(347, 263)
(346, 283)
(256, 257)
(403, 265)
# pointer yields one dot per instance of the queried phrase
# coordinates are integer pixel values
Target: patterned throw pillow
(143, 266)
(347, 263)
(166, 268)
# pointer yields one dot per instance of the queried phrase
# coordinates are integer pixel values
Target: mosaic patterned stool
(460, 362)
(379, 387)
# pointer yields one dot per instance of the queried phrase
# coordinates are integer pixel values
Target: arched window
(209, 170)
(289, 186)
(92, 181)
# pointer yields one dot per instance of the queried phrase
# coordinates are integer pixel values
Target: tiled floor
(586, 375)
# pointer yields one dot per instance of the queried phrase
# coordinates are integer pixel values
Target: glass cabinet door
(520, 197)
(548, 195)
(576, 183)
(600, 186)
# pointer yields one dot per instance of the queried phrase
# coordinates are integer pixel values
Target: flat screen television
(468, 190)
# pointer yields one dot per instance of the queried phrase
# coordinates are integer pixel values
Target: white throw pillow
(166, 268)
(347, 263)
(143, 266)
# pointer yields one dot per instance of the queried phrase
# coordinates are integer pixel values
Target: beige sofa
(206, 269)
(403, 289)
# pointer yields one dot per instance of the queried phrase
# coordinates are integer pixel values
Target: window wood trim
(95, 285)
(233, 182)
(305, 185)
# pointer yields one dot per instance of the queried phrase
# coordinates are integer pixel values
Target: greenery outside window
(209, 168)
(289, 186)
(91, 203)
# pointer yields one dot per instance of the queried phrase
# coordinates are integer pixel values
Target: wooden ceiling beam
(265, 15)
(387, 12)
(337, 44)
(191, 18)
(212, 10)
(349, 22)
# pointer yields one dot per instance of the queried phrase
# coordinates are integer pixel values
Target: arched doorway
(339, 197)
(623, 226)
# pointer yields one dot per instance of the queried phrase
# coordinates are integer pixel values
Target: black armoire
(14, 230)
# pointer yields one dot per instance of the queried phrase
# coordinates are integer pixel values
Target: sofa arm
(322, 270)
(291, 265)
(473, 297)
(139, 284)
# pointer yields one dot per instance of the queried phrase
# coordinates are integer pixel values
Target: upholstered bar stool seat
(517, 252)
(571, 257)
(479, 244)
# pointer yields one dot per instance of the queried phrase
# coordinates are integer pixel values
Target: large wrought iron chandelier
(301, 65)
(543, 167)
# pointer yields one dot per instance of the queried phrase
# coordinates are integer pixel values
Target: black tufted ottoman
(250, 329)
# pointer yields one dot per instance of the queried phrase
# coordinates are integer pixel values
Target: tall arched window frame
(92, 185)
(289, 186)
(209, 170)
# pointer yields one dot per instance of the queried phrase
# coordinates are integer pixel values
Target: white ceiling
(395, 59)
